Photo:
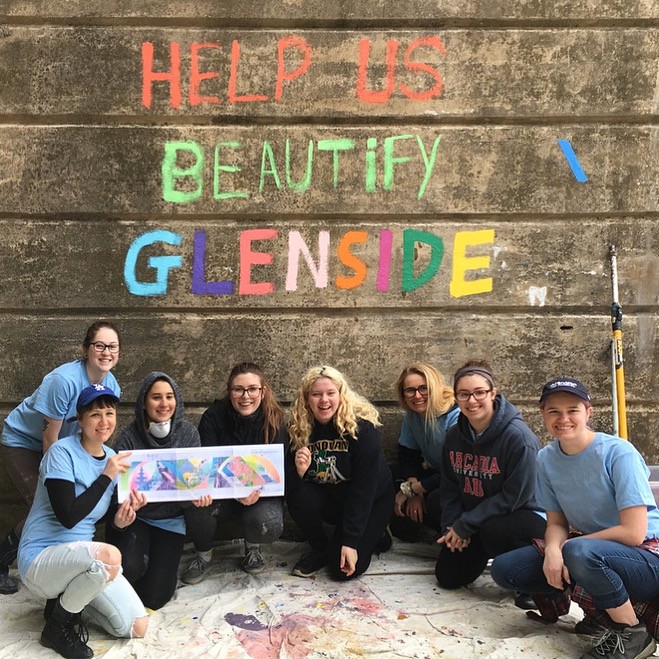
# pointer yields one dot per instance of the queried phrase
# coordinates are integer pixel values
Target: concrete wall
(412, 147)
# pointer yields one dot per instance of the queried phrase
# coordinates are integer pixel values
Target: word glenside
(208, 172)
(261, 257)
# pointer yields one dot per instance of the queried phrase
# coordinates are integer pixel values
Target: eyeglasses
(479, 394)
(410, 392)
(239, 392)
(99, 346)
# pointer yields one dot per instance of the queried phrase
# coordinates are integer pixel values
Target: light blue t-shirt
(56, 398)
(65, 460)
(416, 435)
(172, 524)
(589, 488)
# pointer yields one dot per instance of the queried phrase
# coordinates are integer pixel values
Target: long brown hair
(273, 414)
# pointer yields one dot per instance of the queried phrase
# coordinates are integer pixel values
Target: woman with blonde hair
(430, 411)
(336, 474)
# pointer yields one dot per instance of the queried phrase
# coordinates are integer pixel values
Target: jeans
(608, 571)
(72, 571)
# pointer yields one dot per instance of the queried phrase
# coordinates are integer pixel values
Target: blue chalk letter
(161, 264)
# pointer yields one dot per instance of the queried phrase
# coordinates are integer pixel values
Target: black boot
(48, 609)
(8, 553)
(65, 633)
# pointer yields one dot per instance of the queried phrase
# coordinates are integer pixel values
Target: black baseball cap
(566, 385)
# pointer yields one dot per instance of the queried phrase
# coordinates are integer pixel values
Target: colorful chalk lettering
(467, 268)
(384, 95)
(184, 166)
(173, 76)
(288, 47)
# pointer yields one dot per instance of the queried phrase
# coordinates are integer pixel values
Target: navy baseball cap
(90, 394)
(565, 385)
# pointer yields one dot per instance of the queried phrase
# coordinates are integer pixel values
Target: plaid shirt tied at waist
(552, 608)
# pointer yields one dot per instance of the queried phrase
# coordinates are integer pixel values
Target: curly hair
(352, 407)
(440, 395)
(273, 413)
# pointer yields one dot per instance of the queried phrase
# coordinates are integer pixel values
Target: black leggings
(150, 557)
(496, 536)
(262, 522)
(310, 505)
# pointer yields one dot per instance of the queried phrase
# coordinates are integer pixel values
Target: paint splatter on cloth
(395, 609)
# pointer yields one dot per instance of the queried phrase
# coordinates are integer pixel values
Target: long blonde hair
(352, 407)
(440, 395)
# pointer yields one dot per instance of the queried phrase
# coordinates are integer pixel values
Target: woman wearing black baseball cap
(597, 484)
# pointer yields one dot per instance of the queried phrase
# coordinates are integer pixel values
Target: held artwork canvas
(224, 472)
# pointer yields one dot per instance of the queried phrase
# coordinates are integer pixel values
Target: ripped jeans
(73, 571)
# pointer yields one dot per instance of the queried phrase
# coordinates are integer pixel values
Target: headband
(473, 370)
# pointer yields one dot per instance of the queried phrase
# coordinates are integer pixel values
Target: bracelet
(407, 490)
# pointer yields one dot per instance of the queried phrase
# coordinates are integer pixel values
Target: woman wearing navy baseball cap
(597, 484)
(57, 557)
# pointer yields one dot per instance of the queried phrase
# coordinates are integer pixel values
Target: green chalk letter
(428, 162)
(225, 168)
(268, 154)
(171, 172)
(410, 238)
(390, 160)
(336, 146)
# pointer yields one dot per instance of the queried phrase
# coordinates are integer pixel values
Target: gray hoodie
(136, 436)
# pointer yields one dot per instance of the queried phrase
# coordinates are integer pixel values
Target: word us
(253, 253)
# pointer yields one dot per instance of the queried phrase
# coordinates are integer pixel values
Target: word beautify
(191, 172)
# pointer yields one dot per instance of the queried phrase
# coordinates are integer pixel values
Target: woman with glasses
(429, 411)
(58, 559)
(248, 413)
(488, 482)
(152, 545)
(336, 474)
(47, 415)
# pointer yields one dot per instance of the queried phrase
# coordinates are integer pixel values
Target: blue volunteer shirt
(414, 434)
(591, 487)
(55, 398)
(65, 460)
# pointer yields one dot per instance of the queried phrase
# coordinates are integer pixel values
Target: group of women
(469, 468)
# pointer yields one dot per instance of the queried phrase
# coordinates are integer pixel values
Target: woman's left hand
(348, 560)
(203, 501)
(415, 509)
(251, 499)
(127, 512)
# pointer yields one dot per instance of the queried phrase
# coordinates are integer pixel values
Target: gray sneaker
(589, 627)
(196, 571)
(625, 643)
(253, 562)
